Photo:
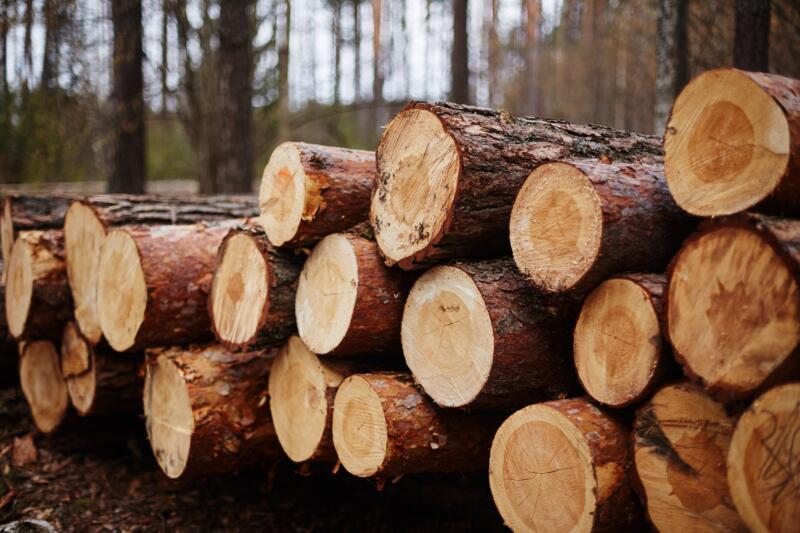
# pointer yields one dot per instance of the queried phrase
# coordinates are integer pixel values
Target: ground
(99, 474)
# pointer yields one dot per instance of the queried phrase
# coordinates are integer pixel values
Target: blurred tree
(284, 40)
(751, 38)
(459, 57)
(532, 83)
(128, 172)
(163, 68)
(377, 71)
(671, 57)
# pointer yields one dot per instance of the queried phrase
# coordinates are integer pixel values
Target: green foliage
(169, 153)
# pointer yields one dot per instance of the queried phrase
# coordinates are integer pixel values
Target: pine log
(206, 409)
(733, 304)
(763, 462)
(681, 437)
(309, 191)
(42, 384)
(37, 303)
(253, 291)
(348, 302)
(99, 381)
(87, 221)
(477, 335)
(153, 284)
(448, 175)
(301, 393)
(733, 143)
(618, 345)
(383, 425)
(563, 466)
(574, 223)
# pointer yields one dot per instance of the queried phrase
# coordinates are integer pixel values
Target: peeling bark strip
(733, 304)
(309, 191)
(87, 221)
(576, 222)
(477, 335)
(100, 381)
(681, 438)
(384, 425)
(448, 175)
(253, 291)
(37, 303)
(206, 409)
(618, 345)
(153, 284)
(348, 302)
(563, 466)
(763, 462)
(733, 143)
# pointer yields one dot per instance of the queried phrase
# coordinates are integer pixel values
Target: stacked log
(43, 385)
(309, 191)
(477, 335)
(251, 303)
(37, 300)
(87, 221)
(206, 409)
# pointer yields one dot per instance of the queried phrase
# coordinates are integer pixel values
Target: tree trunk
(27, 50)
(733, 143)
(348, 302)
(235, 96)
(377, 69)
(253, 291)
(205, 410)
(681, 439)
(43, 385)
(751, 35)
(336, 32)
(532, 82)
(37, 300)
(357, 49)
(99, 381)
(5, 26)
(449, 193)
(761, 460)
(459, 55)
(576, 222)
(575, 476)
(163, 68)
(495, 60)
(283, 73)
(309, 191)
(730, 289)
(618, 344)
(128, 171)
(153, 284)
(301, 393)
(384, 426)
(672, 57)
(88, 221)
(470, 330)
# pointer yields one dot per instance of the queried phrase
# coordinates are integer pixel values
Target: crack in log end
(649, 434)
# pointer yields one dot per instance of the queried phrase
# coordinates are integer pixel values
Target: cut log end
(617, 342)
(298, 384)
(539, 451)
(43, 385)
(19, 287)
(240, 290)
(419, 168)
(283, 194)
(360, 433)
(170, 420)
(556, 226)
(83, 237)
(447, 336)
(121, 290)
(762, 462)
(681, 437)
(733, 308)
(77, 367)
(6, 234)
(727, 144)
(326, 294)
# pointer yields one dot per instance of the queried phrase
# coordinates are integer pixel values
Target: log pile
(530, 298)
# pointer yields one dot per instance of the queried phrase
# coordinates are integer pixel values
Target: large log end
(43, 385)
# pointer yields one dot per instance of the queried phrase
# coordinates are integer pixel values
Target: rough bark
(747, 370)
(424, 438)
(128, 172)
(681, 438)
(338, 185)
(228, 396)
(50, 305)
(751, 35)
(496, 154)
(276, 320)
(125, 209)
